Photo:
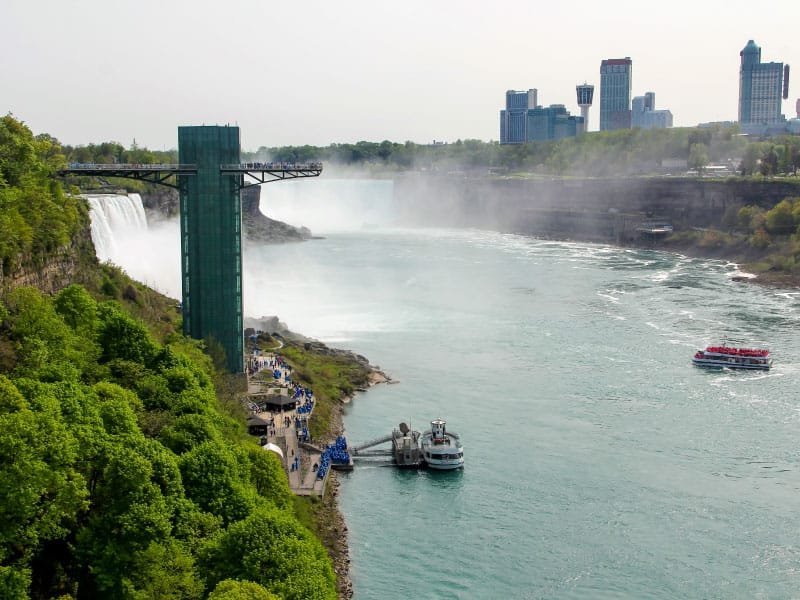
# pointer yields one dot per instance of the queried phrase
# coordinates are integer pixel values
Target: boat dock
(405, 450)
(279, 415)
(435, 449)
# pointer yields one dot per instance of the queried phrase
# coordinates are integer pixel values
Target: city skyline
(321, 73)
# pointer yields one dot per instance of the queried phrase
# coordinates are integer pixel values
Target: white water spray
(114, 216)
(121, 235)
(151, 254)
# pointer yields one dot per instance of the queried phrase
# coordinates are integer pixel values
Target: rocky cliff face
(164, 203)
(70, 264)
(604, 210)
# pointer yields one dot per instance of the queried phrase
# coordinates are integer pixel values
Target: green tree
(189, 431)
(46, 348)
(780, 219)
(795, 159)
(750, 160)
(164, 571)
(268, 477)
(120, 336)
(41, 494)
(769, 161)
(14, 583)
(215, 480)
(17, 151)
(698, 157)
(751, 218)
(273, 550)
(78, 309)
(129, 513)
(230, 589)
(760, 239)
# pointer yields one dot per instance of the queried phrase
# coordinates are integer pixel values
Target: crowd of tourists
(303, 406)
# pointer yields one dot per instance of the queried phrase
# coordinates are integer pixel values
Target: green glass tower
(209, 178)
(211, 241)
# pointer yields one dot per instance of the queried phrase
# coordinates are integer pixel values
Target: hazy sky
(317, 72)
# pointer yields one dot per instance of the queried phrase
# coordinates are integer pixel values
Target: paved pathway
(303, 481)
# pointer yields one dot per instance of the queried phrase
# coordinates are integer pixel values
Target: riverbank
(331, 525)
(334, 376)
(758, 265)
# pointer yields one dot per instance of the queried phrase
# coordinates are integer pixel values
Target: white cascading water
(121, 235)
(114, 216)
(151, 252)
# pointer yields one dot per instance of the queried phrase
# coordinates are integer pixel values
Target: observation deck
(152, 173)
(209, 177)
(268, 172)
(259, 172)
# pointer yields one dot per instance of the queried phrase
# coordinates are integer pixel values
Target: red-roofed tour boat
(725, 356)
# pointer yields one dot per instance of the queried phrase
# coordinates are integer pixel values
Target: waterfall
(122, 236)
(115, 217)
(330, 205)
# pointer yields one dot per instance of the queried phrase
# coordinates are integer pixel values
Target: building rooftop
(617, 61)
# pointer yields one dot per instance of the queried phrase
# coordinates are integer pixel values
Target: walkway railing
(75, 167)
(273, 166)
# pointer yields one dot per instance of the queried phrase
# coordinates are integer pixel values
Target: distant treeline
(597, 154)
(113, 152)
(600, 154)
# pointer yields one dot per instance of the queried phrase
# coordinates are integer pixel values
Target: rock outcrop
(260, 229)
(164, 203)
(73, 263)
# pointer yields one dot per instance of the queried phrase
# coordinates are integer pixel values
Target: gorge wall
(73, 263)
(603, 210)
(164, 203)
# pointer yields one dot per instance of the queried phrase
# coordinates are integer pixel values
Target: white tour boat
(733, 358)
(442, 449)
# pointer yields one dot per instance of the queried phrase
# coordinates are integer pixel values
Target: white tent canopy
(275, 448)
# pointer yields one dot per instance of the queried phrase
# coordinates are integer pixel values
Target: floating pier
(413, 449)
(405, 451)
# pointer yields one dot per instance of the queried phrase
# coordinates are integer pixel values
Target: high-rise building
(760, 88)
(615, 93)
(524, 121)
(645, 116)
(649, 101)
(552, 123)
(585, 96)
(513, 118)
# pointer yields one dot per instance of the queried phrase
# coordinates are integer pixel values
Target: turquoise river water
(599, 462)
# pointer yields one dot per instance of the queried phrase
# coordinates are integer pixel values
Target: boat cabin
(439, 430)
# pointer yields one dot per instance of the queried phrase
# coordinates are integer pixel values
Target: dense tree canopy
(36, 216)
(121, 476)
(97, 501)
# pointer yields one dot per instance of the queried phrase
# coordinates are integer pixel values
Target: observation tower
(209, 179)
(585, 97)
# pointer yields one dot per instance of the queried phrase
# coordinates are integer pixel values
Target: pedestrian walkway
(298, 461)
